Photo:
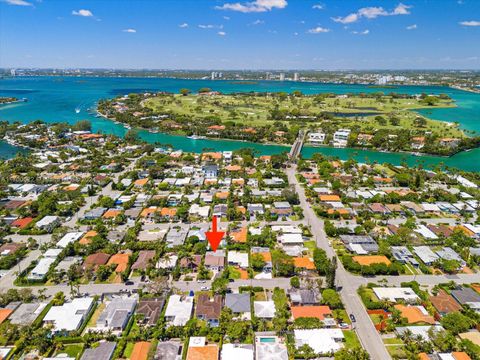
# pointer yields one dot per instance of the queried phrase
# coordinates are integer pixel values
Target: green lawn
(310, 245)
(255, 110)
(233, 273)
(393, 341)
(351, 339)
(93, 320)
(128, 350)
(72, 350)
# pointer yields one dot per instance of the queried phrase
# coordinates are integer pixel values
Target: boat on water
(196, 137)
(77, 110)
(128, 127)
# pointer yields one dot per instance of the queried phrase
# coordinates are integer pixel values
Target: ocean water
(55, 99)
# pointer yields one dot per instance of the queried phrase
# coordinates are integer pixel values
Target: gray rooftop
(103, 351)
(466, 295)
(238, 303)
(168, 350)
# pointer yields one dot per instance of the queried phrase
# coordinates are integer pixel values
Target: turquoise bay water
(55, 99)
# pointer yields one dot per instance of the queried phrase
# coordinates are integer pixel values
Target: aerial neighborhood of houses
(104, 254)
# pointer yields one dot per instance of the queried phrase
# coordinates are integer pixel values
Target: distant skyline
(243, 35)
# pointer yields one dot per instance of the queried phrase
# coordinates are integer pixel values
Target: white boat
(77, 110)
(196, 137)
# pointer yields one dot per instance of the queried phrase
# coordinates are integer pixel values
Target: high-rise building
(282, 76)
(295, 76)
(12, 72)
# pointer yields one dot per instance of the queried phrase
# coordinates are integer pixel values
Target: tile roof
(414, 315)
(209, 308)
(318, 312)
(367, 260)
(207, 352)
(140, 351)
(4, 314)
(121, 260)
(444, 303)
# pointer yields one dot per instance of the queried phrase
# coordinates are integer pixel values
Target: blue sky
(231, 34)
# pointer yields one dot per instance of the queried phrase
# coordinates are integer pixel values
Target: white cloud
(129, 30)
(254, 6)
(183, 26)
(210, 26)
(412, 27)
(18, 2)
(401, 9)
(470, 23)
(318, 6)
(257, 22)
(318, 30)
(364, 32)
(347, 19)
(226, 17)
(82, 12)
(372, 13)
(222, 33)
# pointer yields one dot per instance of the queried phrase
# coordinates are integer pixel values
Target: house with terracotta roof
(22, 223)
(319, 312)
(111, 213)
(95, 260)
(303, 263)
(198, 349)
(367, 260)
(239, 235)
(121, 260)
(4, 314)
(415, 314)
(140, 183)
(140, 350)
(211, 156)
(87, 238)
(168, 213)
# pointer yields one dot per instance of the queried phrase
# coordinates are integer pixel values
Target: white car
(205, 288)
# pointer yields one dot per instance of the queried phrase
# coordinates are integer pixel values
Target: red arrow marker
(214, 237)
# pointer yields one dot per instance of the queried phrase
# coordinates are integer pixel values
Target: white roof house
(41, 269)
(425, 254)
(238, 258)
(198, 210)
(269, 347)
(287, 239)
(395, 293)
(264, 309)
(48, 222)
(70, 315)
(322, 341)
(287, 229)
(179, 310)
(52, 253)
(430, 207)
(237, 351)
(69, 238)
(425, 232)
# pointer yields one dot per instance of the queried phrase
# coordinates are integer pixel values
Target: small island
(377, 121)
(10, 100)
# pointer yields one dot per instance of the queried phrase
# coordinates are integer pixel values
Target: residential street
(368, 335)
